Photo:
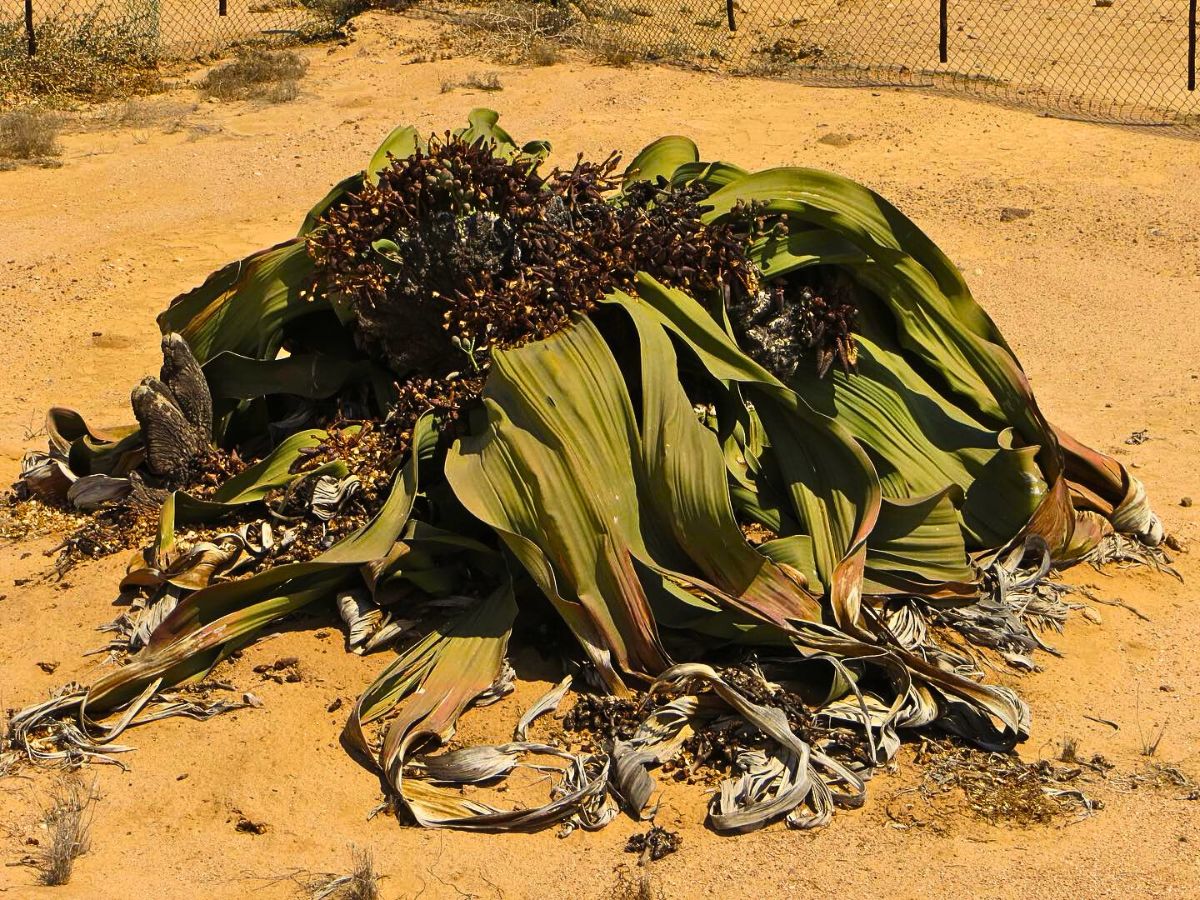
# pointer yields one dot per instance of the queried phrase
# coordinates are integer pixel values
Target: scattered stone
(1138, 437)
(48, 667)
(837, 139)
(1185, 501)
(1013, 213)
(112, 341)
(335, 705)
(252, 700)
(181, 776)
(284, 669)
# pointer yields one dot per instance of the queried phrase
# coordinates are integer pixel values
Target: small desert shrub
(479, 81)
(483, 81)
(28, 133)
(274, 6)
(542, 53)
(68, 821)
(338, 12)
(517, 32)
(608, 51)
(257, 74)
(79, 56)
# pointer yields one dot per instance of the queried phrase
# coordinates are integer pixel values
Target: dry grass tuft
(1150, 743)
(171, 115)
(68, 821)
(1069, 752)
(267, 75)
(362, 883)
(479, 81)
(29, 133)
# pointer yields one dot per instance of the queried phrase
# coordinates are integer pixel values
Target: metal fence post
(30, 35)
(733, 24)
(944, 29)
(222, 8)
(1192, 45)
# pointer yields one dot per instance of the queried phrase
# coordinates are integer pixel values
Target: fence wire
(139, 32)
(1128, 61)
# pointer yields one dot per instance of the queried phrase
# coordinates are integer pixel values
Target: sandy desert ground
(1097, 289)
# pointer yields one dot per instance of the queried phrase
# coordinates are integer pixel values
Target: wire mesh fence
(1129, 61)
(143, 31)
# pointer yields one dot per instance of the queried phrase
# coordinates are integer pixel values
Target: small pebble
(837, 139)
(1185, 501)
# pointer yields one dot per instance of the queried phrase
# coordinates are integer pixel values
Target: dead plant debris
(998, 788)
(654, 844)
(244, 824)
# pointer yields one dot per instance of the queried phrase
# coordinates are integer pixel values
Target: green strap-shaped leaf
(250, 486)
(351, 184)
(917, 548)
(402, 142)
(594, 506)
(855, 210)
(215, 619)
(313, 376)
(929, 443)
(243, 307)
(90, 451)
(194, 654)
(432, 682)
(935, 311)
(714, 175)
(553, 473)
(371, 542)
(661, 159)
(803, 247)
(830, 481)
(684, 471)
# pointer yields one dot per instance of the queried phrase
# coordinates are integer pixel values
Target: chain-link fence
(1128, 61)
(142, 31)
(1131, 61)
